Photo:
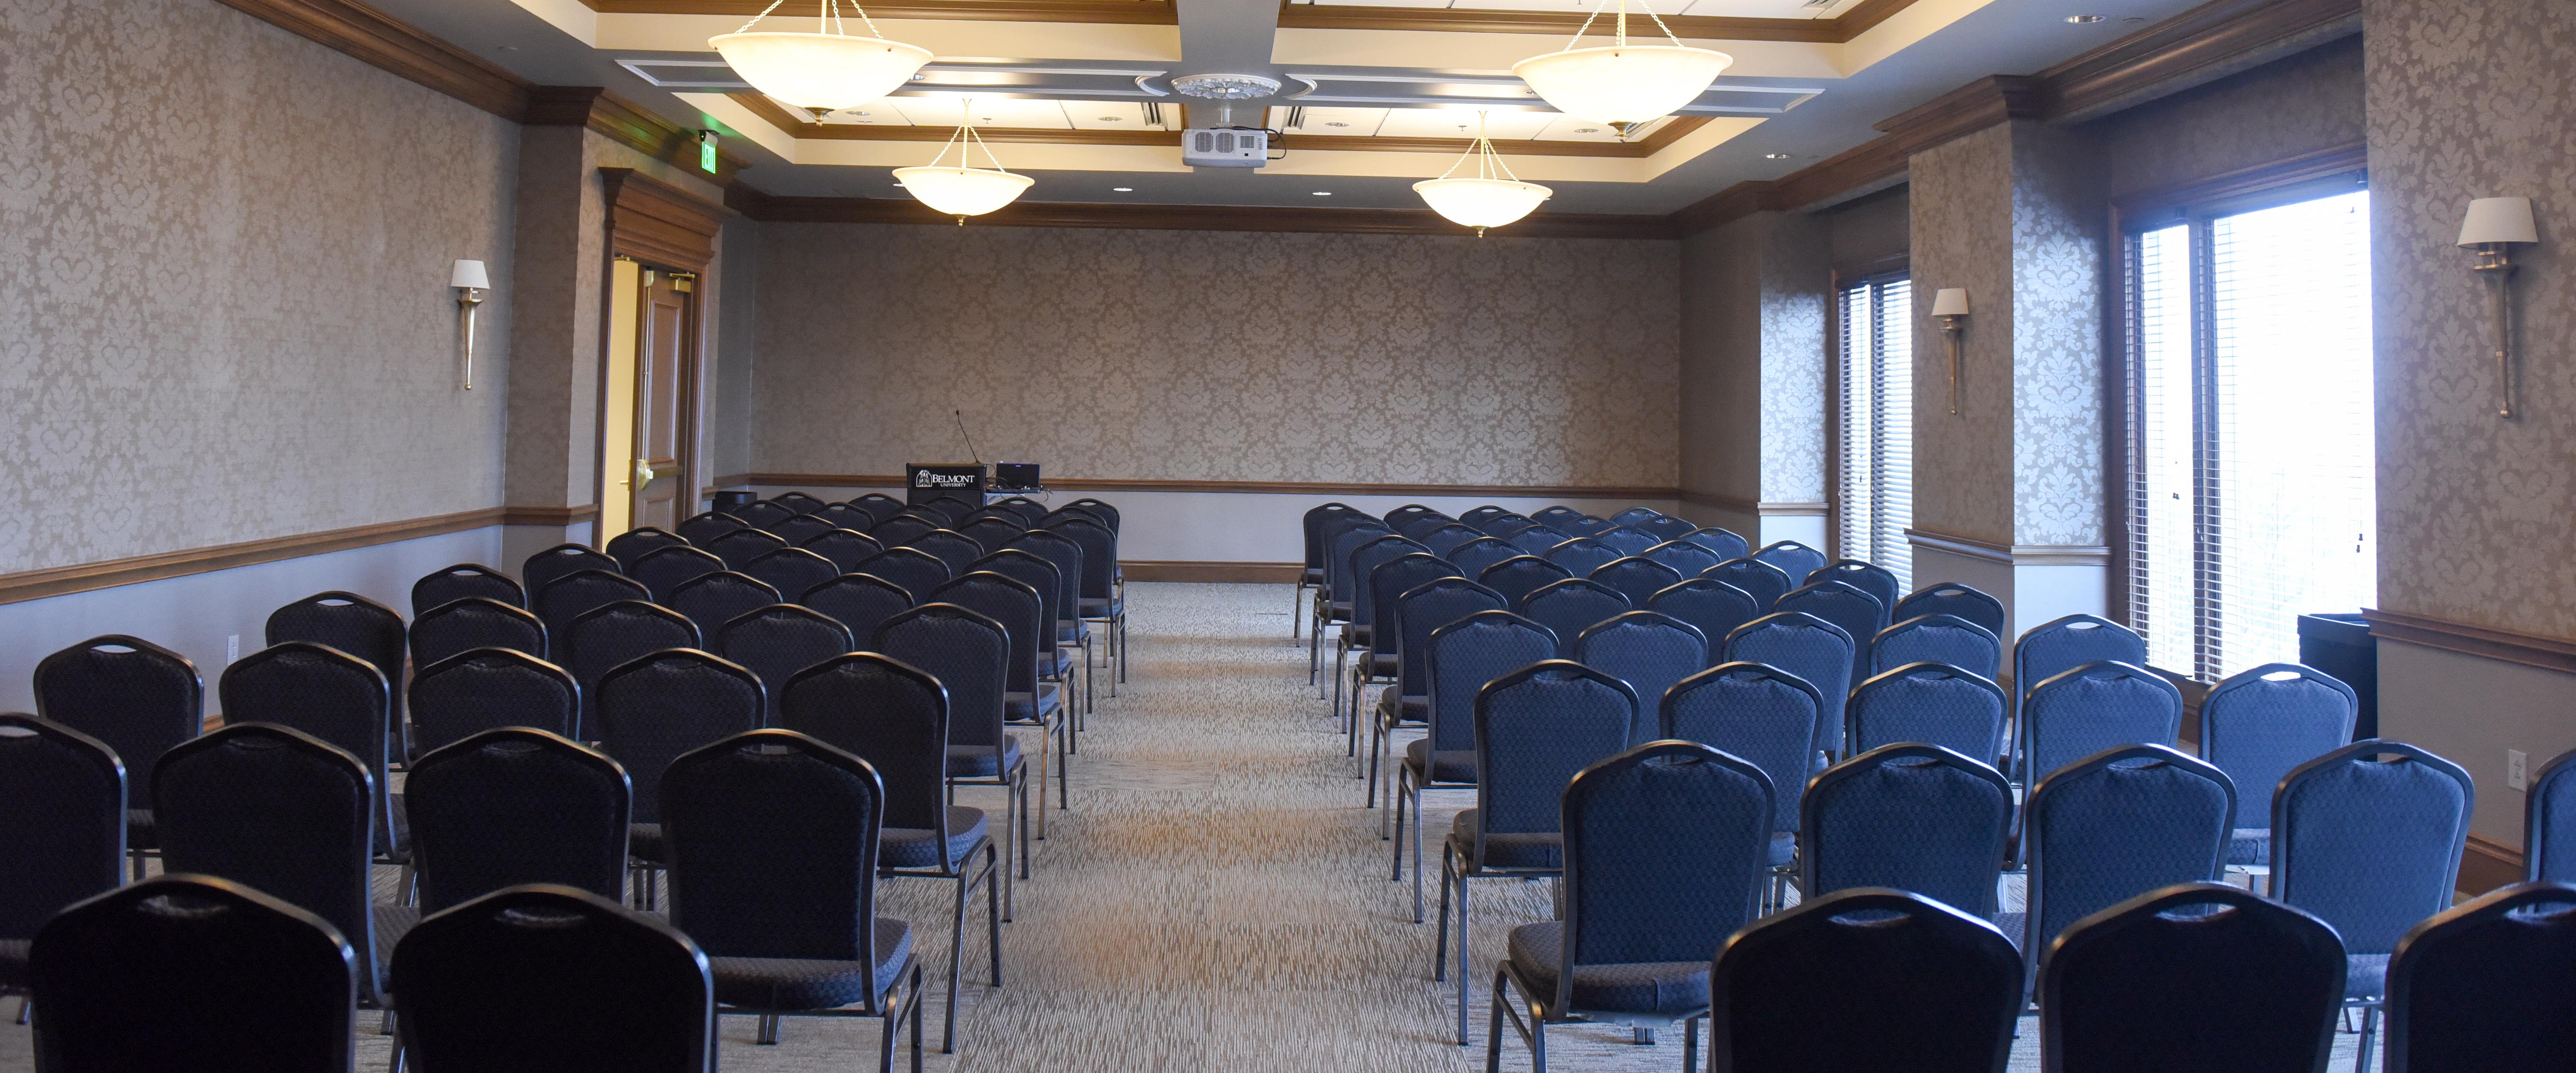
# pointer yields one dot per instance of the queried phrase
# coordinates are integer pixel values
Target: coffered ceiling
(1376, 93)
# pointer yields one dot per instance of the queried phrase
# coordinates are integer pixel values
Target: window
(2248, 413)
(1876, 424)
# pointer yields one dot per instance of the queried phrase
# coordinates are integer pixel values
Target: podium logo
(927, 479)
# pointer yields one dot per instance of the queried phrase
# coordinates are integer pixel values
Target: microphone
(970, 439)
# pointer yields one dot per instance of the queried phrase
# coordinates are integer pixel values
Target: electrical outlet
(232, 648)
(2517, 770)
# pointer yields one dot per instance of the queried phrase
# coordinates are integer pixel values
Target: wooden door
(665, 405)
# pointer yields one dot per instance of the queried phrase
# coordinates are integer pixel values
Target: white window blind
(2251, 496)
(1877, 424)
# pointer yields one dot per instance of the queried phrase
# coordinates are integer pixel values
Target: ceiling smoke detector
(1223, 87)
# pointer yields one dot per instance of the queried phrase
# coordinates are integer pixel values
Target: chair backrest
(1665, 527)
(740, 547)
(1650, 652)
(1943, 989)
(655, 708)
(911, 569)
(346, 621)
(2118, 824)
(801, 528)
(1633, 515)
(1416, 526)
(1555, 513)
(1535, 728)
(1878, 581)
(861, 602)
(470, 623)
(137, 697)
(1913, 817)
(2369, 837)
(847, 516)
(2061, 645)
(1478, 514)
(1682, 555)
(1099, 554)
(64, 794)
(1108, 514)
(633, 545)
(1520, 576)
(1948, 598)
(566, 598)
(664, 570)
(2192, 976)
(482, 987)
(2260, 723)
(791, 571)
(1724, 543)
(1859, 614)
(902, 529)
(1794, 559)
(1762, 714)
(462, 580)
(773, 846)
(1938, 638)
(1387, 584)
(879, 504)
(1816, 651)
(762, 513)
(699, 528)
(846, 548)
(2486, 985)
(1365, 559)
(779, 640)
(606, 637)
(1586, 525)
(991, 533)
(1666, 854)
(1931, 703)
(2094, 707)
(1464, 654)
(487, 689)
(1340, 545)
(1764, 582)
(1570, 607)
(1028, 509)
(969, 654)
(1537, 539)
(2549, 822)
(1476, 556)
(1065, 555)
(1446, 537)
(888, 713)
(955, 506)
(953, 548)
(1627, 540)
(1033, 570)
(711, 600)
(193, 972)
(1501, 523)
(1014, 605)
(1407, 513)
(1313, 524)
(335, 697)
(1637, 578)
(799, 502)
(280, 811)
(1715, 608)
(542, 568)
(513, 806)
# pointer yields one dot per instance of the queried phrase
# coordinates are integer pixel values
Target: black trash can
(728, 502)
(2340, 645)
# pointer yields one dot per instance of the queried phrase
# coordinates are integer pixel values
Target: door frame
(666, 229)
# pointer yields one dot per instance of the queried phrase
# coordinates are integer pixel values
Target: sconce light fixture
(2492, 226)
(1950, 307)
(470, 282)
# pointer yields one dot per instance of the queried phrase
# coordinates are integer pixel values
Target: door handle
(643, 473)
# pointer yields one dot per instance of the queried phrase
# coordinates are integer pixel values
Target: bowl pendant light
(1492, 198)
(824, 71)
(1622, 84)
(962, 190)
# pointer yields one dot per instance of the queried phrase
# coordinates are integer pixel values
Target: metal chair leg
(1295, 604)
(768, 1032)
(1466, 990)
(1417, 854)
(956, 965)
(1440, 946)
(2369, 1036)
(1690, 1043)
(1042, 781)
(993, 909)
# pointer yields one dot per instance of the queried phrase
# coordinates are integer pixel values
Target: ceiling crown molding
(861, 210)
(1126, 12)
(396, 46)
(1833, 31)
(627, 124)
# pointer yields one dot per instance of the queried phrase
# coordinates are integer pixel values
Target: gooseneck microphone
(960, 415)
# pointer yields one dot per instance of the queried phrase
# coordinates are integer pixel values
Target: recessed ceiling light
(921, 78)
(898, 184)
(1775, 156)
(1587, 130)
(2084, 20)
(1122, 189)
(1337, 124)
(1323, 193)
(865, 113)
(1109, 119)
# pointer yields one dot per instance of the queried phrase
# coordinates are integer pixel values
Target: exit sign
(707, 151)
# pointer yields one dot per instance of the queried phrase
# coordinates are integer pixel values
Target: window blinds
(1877, 424)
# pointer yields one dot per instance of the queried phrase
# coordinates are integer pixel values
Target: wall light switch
(2517, 769)
(232, 648)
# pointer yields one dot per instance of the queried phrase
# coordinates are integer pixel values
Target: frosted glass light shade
(470, 274)
(1622, 83)
(827, 71)
(1950, 302)
(962, 191)
(2498, 219)
(1481, 203)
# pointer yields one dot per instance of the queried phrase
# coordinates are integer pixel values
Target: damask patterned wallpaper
(216, 333)
(2057, 248)
(1182, 355)
(2473, 100)
(2301, 103)
(1962, 202)
(1753, 359)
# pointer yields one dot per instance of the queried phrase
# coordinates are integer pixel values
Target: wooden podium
(926, 481)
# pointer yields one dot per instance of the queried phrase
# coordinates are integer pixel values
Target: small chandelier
(823, 71)
(1622, 84)
(962, 190)
(1485, 200)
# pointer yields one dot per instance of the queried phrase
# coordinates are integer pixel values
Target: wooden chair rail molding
(84, 577)
(1321, 488)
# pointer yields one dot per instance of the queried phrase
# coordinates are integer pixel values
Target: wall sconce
(470, 282)
(1950, 307)
(2493, 225)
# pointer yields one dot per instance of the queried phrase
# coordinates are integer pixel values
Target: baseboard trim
(85, 577)
(1326, 488)
(1211, 571)
(2486, 642)
(2488, 864)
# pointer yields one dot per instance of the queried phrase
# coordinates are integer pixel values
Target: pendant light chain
(827, 18)
(1579, 31)
(1482, 150)
(966, 141)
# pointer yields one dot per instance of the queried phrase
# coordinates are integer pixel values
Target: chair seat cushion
(1517, 851)
(1784, 849)
(1659, 990)
(1116, 607)
(1024, 708)
(1361, 634)
(13, 962)
(1448, 765)
(2250, 846)
(1062, 664)
(1384, 665)
(644, 842)
(2365, 975)
(917, 847)
(1313, 575)
(1415, 709)
(1072, 632)
(976, 761)
(792, 984)
(141, 831)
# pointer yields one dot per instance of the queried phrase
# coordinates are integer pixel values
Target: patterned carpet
(1216, 899)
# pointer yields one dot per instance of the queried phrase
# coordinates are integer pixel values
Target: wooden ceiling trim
(1123, 12)
(1193, 218)
(392, 45)
(1465, 20)
(657, 223)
